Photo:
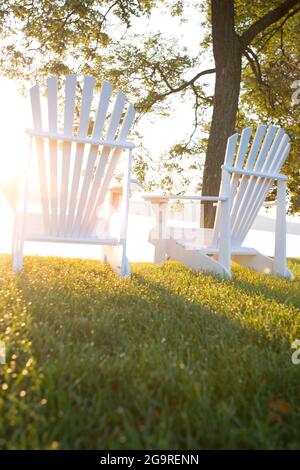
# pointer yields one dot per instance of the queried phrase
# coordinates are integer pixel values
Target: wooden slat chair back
(253, 170)
(78, 146)
(250, 169)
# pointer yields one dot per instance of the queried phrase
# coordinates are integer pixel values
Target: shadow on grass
(138, 366)
(221, 318)
(283, 291)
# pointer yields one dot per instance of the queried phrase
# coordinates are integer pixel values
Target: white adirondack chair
(75, 164)
(247, 176)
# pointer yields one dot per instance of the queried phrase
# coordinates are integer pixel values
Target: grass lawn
(168, 359)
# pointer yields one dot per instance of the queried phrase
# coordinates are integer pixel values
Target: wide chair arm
(161, 198)
(159, 236)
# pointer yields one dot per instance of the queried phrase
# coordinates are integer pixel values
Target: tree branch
(268, 19)
(189, 83)
(196, 107)
(254, 64)
(269, 35)
(160, 96)
(162, 74)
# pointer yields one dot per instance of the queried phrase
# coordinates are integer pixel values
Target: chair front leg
(225, 224)
(280, 267)
(125, 267)
(158, 235)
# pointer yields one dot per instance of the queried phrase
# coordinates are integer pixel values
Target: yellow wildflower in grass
(55, 445)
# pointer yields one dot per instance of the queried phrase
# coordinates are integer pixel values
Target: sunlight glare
(13, 120)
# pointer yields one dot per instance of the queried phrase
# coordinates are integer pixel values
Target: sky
(158, 132)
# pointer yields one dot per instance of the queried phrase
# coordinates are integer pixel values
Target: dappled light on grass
(167, 359)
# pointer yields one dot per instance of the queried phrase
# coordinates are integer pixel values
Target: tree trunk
(228, 58)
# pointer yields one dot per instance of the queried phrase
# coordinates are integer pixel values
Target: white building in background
(142, 221)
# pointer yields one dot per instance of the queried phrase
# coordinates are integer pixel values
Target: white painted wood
(245, 183)
(225, 224)
(264, 185)
(229, 157)
(111, 132)
(235, 179)
(111, 166)
(260, 173)
(194, 259)
(52, 124)
(249, 191)
(117, 256)
(125, 268)
(258, 195)
(280, 233)
(85, 241)
(236, 251)
(159, 236)
(20, 218)
(259, 135)
(249, 174)
(258, 262)
(86, 102)
(63, 138)
(69, 110)
(104, 97)
(243, 147)
(158, 197)
(73, 188)
(37, 124)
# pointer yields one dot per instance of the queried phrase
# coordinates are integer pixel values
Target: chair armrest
(157, 198)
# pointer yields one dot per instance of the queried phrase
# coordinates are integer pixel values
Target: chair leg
(225, 225)
(18, 256)
(280, 265)
(125, 265)
(158, 236)
(116, 257)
